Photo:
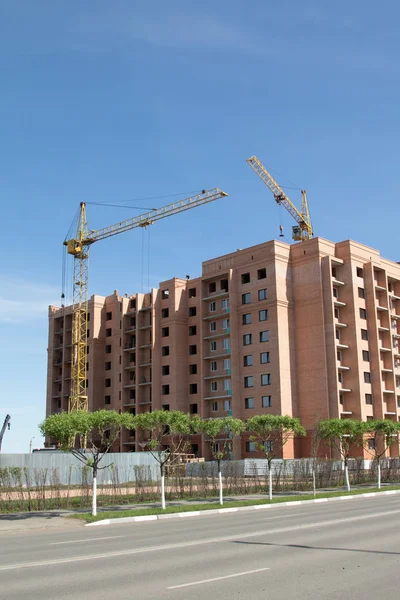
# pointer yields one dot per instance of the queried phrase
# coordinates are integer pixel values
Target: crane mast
(303, 230)
(3, 429)
(79, 247)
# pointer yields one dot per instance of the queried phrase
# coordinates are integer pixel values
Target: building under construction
(310, 330)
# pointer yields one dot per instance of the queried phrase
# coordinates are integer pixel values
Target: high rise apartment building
(310, 330)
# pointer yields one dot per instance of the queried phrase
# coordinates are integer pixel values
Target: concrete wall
(68, 469)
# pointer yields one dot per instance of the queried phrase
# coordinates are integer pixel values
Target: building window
(213, 365)
(192, 292)
(224, 285)
(246, 298)
(368, 398)
(108, 332)
(261, 273)
(334, 274)
(212, 287)
(246, 319)
(165, 351)
(340, 377)
(247, 339)
(193, 409)
(360, 272)
(225, 323)
(107, 366)
(192, 311)
(250, 447)
(225, 304)
(227, 385)
(248, 360)
(266, 401)
(192, 369)
(212, 307)
(165, 332)
(227, 405)
(371, 444)
(249, 381)
(262, 294)
(132, 322)
(264, 336)
(337, 334)
(213, 325)
(367, 377)
(108, 316)
(165, 407)
(192, 330)
(249, 402)
(165, 369)
(107, 383)
(363, 313)
(213, 346)
(164, 294)
(335, 293)
(164, 313)
(107, 399)
(214, 386)
(193, 349)
(365, 355)
(245, 278)
(398, 401)
(264, 358)
(214, 407)
(266, 379)
(227, 364)
(263, 315)
(364, 334)
(268, 446)
(361, 293)
(226, 344)
(132, 394)
(193, 388)
(165, 390)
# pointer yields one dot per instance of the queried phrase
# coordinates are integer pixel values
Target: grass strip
(139, 512)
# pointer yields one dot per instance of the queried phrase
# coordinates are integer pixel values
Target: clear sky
(125, 100)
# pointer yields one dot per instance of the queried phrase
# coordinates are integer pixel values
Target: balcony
(227, 373)
(221, 294)
(385, 391)
(342, 389)
(346, 412)
(146, 345)
(224, 354)
(130, 312)
(339, 324)
(380, 288)
(144, 383)
(337, 281)
(380, 308)
(128, 348)
(147, 364)
(343, 368)
(216, 315)
(387, 370)
(130, 385)
(381, 328)
(146, 308)
(130, 367)
(144, 327)
(384, 349)
(220, 396)
(130, 330)
(338, 303)
(393, 297)
(218, 335)
(342, 346)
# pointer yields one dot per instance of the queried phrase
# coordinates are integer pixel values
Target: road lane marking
(228, 538)
(110, 537)
(175, 587)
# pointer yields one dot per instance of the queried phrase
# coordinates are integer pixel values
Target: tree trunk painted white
(346, 472)
(162, 490)
(94, 495)
(221, 501)
(313, 483)
(270, 482)
(379, 475)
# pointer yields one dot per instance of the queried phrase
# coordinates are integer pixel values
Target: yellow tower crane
(303, 230)
(79, 247)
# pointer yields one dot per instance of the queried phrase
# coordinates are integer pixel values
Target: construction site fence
(46, 487)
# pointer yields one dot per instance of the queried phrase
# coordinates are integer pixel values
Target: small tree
(270, 433)
(219, 434)
(345, 435)
(101, 429)
(158, 426)
(383, 433)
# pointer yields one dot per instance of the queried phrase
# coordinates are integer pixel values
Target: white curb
(222, 511)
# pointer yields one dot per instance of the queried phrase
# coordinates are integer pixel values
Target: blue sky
(113, 101)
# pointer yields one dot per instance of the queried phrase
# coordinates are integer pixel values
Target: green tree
(219, 434)
(101, 429)
(270, 433)
(382, 433)
(344, 435)
(160, 427)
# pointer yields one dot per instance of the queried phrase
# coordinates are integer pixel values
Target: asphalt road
(347, 549)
